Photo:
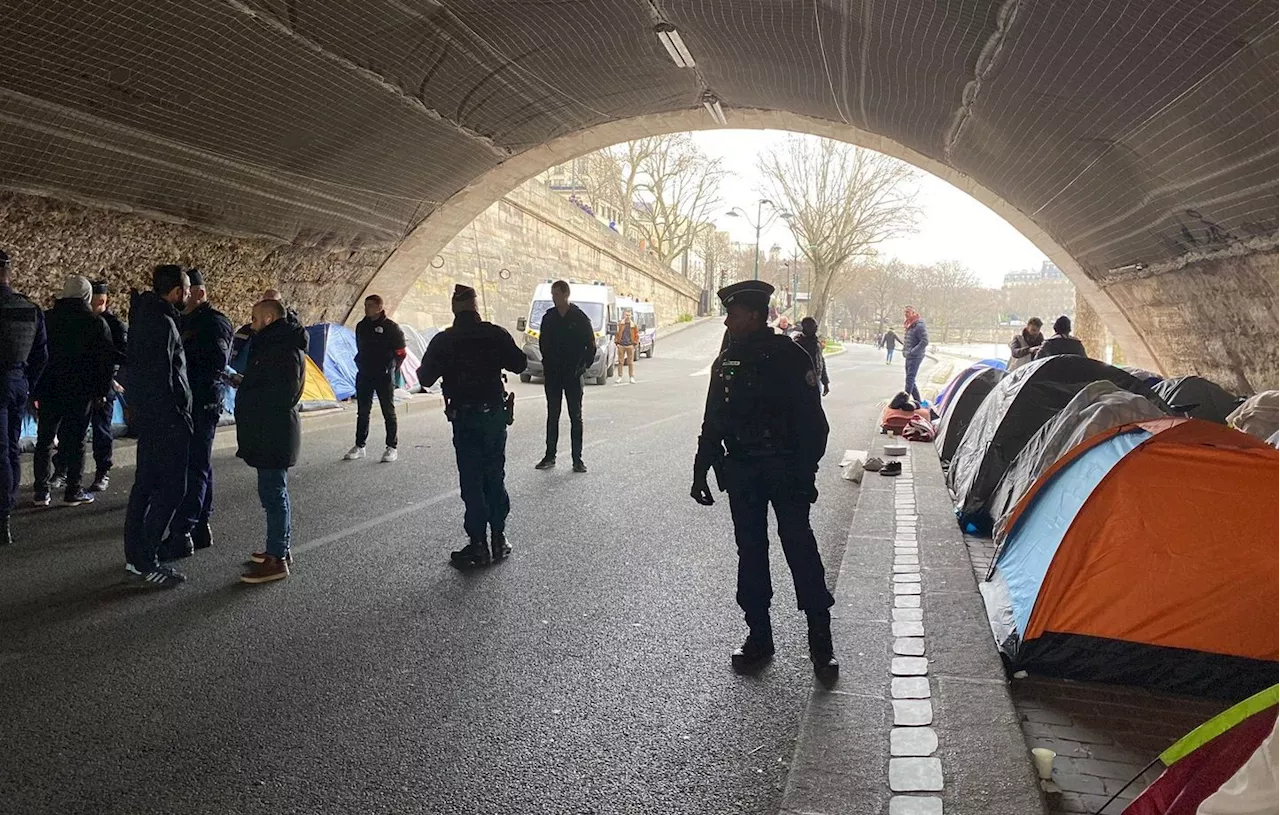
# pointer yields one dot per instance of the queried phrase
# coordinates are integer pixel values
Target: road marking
(703, 372)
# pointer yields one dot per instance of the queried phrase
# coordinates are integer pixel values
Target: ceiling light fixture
(671, 40)
(712, 104)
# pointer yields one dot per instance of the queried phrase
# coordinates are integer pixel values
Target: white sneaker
(389, 455)
(354, 453)
(633, 380)
(618, 381)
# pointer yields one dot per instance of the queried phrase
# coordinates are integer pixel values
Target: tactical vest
(18, 317)
(749, 407)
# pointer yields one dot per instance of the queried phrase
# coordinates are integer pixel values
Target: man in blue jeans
(268, 431)
(914, 342)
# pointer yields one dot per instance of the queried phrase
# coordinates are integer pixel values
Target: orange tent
(1146, 555)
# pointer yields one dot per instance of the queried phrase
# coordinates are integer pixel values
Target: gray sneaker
(100, 483)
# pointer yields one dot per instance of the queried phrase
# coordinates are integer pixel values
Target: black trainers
(500, 548)
(41, 499)
(57, 482)
(579, 467)
(161, 577)
(821, 651)
(202, 536)
(891, 468)
(100, 483)
(75, 499)
(472, 555)
(176, 547)
(755, 651)
(546, 464)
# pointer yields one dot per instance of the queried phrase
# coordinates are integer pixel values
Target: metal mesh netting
(1131, 131)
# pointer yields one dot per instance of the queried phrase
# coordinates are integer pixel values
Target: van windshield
(594, 312)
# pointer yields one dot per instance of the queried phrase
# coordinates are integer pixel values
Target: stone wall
(50, 239)
(528, 237)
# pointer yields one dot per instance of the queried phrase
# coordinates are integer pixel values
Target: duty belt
(476, 407)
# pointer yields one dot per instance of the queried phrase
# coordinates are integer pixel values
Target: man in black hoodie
(160, 412)
(380, 349)
(76, 381)
(568, 345)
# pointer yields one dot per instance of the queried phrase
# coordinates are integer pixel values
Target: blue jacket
(155, 387)
(916, 341)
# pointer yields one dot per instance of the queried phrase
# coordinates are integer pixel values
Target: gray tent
(1197, 397)
(1018, 407)
(1259, 415)
(1098, 407)
(961, 407)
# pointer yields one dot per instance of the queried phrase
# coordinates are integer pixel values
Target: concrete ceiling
(1137, 132)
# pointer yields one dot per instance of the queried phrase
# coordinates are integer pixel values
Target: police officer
(764, 432)
(23, 353)
(470, 356)
(206, 341)
(101, 421)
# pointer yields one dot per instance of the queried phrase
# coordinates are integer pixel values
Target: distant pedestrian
(102, 419)
(23, 352)
(568, 346)
(764, 433)
(160, 413)
(470, 356)
(890, 342)
(628, 340)
(813, 346)
(380, 350)
(268, 430)
(1023, 346)
(76, 382)
(1061, 342)
(206, 340)
(915, 341)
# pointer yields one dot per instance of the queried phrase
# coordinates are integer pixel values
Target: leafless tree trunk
(843, 201)
(712, 246)
(677, 190)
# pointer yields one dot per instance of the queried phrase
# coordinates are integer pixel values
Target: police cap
(462, 293)
(753, 294)
(100, 287)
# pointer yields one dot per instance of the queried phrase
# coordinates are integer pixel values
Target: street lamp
(758, 224)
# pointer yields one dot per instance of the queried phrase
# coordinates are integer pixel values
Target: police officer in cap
(764, 432)
(470, 356)
(23, 353)
(206, 340)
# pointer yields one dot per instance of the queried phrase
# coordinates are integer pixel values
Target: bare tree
(884, 287)
(712, 246)
(677, 190)
(842, 201)
(615, 176)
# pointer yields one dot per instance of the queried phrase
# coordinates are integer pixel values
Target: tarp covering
(1146, 555)
(1099, 406)
(1143, 374)
(1197, 397)
(1259, 415)
(333, 348)
(1018, 407)
(948, 392)
(963, 404)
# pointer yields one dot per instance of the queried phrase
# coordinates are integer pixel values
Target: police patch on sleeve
(811, 378)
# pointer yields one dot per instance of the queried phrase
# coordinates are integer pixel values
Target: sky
(953, 226)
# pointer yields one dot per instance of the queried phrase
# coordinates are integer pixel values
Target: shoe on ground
(41, 499)
(271, 568)
(821, 652)
(75, 499)
(100, 483)
(472, 555)
(176, 547)
(873, 464)
(546, 464)
(389, 455)
(261, 557)
(161, 577)
(499, 548)
(57, 482)
(354, 453)
(202, 536)
(579, 467)
(618, 381)
(756, 650)
(892, 468)
(6, 534)
(633, 380)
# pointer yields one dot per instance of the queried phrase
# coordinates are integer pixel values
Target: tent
(962, 405)
(1259, 415)
(1226, 766)
(949, 390)
(1146, 555)
(317, 393)
(1016, 408)
(1197, 397)
(1100, 406)
(1143, 374)
(414, 340)
(333, 348)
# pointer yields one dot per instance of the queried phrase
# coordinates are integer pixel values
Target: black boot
(821, 651)
(756, 649)
(176, 547)
(6, 534)
(202, 536)
(499, 547)
(470, 556)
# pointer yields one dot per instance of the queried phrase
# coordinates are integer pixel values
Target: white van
(646, 320)
(599, 302)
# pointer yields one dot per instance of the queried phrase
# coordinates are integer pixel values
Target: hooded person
(1061, 342)
(915, 340)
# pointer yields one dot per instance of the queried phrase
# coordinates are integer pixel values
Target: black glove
(701, 490)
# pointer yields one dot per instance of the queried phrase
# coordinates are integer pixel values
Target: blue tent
(948, 391)
(333, 348)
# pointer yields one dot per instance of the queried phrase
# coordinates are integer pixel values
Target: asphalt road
(588, 674)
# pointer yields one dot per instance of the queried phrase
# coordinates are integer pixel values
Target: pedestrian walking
(268, 430)
(470, 357)
(890, 343)
(101, 421)
(813, 345)
(568, 346)
(23, 352)
(628, 340)
(380, 350)
(159, 396)
(1061, 342)
(76, 381)
(764, 433)
(206, 341)
(915, 341)
(1023, 346)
